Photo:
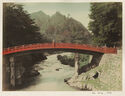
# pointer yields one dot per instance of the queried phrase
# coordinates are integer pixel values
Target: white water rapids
(51, 79)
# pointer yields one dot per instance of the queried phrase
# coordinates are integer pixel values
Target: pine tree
(106, 23)
(19, 28)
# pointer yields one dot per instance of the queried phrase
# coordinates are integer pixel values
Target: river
(51, 79)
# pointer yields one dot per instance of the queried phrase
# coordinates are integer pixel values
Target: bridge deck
(65, 46)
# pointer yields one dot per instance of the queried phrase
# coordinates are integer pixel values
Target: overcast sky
(78, 11)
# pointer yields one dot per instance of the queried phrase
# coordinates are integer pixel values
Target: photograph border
(63, 93)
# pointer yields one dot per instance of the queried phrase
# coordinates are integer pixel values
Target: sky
(78, 11)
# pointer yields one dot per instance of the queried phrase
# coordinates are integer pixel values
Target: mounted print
(62, 46)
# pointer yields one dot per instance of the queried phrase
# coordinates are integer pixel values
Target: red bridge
(59, 46)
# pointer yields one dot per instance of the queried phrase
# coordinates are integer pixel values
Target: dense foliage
(106, 23)
(69, 60)
(66, 60)
(84, 60)
(18, 28)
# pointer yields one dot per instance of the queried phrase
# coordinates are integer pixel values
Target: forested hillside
(61, 28)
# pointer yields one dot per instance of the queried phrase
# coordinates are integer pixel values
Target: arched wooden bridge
(57, 46)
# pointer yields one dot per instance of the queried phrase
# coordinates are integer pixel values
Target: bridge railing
(59, 45)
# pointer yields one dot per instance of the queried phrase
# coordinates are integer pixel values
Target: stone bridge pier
(96, 58)
(12, 72)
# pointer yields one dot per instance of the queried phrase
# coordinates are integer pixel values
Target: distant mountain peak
(39, 13)
(57, 12)
(42, 12)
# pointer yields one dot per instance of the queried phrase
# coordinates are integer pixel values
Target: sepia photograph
(62, 46)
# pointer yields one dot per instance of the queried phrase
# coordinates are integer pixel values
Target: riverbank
(106, 77)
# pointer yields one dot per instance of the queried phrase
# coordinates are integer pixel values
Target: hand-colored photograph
(59, 46)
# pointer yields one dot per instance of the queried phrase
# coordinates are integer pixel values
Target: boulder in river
(58, 69)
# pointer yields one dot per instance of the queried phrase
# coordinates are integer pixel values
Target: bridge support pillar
(95, 60)
(6, 73)
(12, 72)
(76, 57)
(76, 64)
(94, 63)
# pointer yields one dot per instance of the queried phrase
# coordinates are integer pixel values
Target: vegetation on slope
(19, 28)
(69, 60)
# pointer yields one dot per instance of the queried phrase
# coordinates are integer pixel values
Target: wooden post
(12, 72)
(53, 43)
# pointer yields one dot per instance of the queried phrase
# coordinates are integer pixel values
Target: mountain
(41, 19)
(57, 19)
(60, 28)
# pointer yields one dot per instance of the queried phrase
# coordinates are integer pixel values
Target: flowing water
(52, 75)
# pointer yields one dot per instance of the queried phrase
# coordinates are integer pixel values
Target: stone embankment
(106, 77)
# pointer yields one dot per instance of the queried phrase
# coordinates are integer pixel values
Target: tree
(106, 23)
(18, 28)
